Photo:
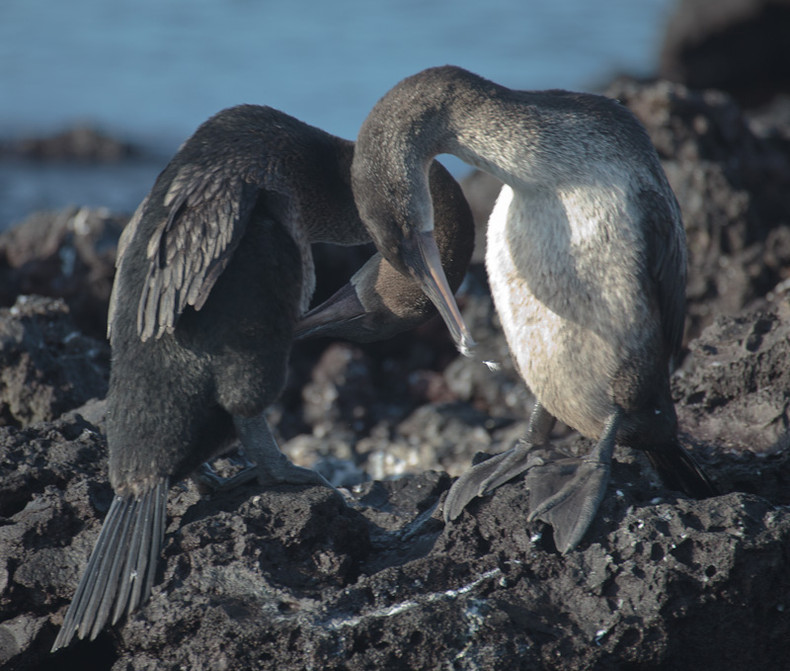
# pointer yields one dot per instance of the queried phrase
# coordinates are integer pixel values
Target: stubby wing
(123, 245)
(206, 214)
(666, 260)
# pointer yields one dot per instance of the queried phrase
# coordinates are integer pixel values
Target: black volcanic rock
(81, 143)
(290, 578)
(69, 255)
(47, 366)
(735, 385)
(739, 46)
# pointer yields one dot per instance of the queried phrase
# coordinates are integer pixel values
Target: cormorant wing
(666, 262)
(207, 215)
(200, 220)
(127, 234)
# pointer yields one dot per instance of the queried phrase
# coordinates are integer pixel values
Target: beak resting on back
(342, 315)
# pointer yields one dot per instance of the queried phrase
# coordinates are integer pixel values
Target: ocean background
(150, 71)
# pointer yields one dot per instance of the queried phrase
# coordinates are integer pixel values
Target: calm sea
(150, 71)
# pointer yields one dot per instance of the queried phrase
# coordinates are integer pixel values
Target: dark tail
(678, 471)
(122, 566)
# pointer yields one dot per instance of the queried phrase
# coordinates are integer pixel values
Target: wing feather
(666, 260)
(129, 232)
(207, 214)
(185, 232)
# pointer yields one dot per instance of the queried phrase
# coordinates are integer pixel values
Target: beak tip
(466, 346)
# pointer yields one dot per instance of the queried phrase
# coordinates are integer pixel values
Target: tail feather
(122, 566)
(109, 572)
(678, 471)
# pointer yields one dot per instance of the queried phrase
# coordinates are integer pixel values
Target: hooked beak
(421, 257)
(341, 313)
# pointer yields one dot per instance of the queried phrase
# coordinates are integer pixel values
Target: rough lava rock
(291, 578)
(739, 46)
(69, 255)
(46, 365)
(80, 143)
(734, 389)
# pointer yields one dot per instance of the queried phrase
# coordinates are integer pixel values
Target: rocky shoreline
(291, 579)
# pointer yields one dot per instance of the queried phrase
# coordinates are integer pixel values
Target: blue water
(150, 71)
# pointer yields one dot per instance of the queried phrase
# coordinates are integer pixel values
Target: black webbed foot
(209, 481)
(485, 477)
(570, 508)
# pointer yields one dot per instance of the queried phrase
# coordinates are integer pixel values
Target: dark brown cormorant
(213, 272)
(586, 259)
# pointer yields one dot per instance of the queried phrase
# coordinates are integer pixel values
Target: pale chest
(564, 271)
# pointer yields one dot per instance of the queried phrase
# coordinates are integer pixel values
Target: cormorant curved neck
(585, 257)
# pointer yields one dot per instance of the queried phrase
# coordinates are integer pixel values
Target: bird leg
(571, 509)
(273, 467)
(264, 461)
(491, 473)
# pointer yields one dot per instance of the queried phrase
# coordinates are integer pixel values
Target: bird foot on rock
(208, 481)
(274, 469)
(564, 492)
(277, 469)
(485, 477)
(570, 507)
(260, 459)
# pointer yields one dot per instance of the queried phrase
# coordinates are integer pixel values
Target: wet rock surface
(291, 578)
